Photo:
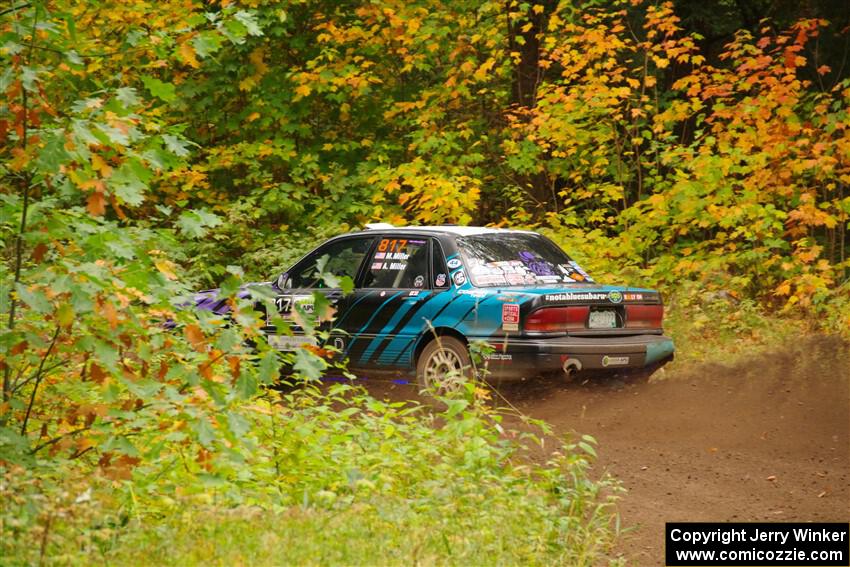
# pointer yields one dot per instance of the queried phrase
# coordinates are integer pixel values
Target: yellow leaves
(660, 62)
(257, 60)
(482, 71)
(537, 9)
(187, 54)
(99, 165)
(166, 268)
(302, 91)
(783, 289)
(253, 116)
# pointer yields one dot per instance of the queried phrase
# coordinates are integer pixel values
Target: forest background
(151, 148)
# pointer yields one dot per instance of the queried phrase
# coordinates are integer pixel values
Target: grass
(716, 327)
(384, 484)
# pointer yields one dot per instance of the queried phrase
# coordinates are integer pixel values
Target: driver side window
(398, 263)
(344, 259)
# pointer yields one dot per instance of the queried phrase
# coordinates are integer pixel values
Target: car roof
(445, 229)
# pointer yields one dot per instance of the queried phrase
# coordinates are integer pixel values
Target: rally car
(423, 295)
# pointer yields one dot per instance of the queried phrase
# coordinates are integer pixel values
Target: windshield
(517, 259)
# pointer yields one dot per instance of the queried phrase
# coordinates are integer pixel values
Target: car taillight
(549, 319)
(644, 316)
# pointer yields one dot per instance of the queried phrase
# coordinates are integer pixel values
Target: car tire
(443, 366)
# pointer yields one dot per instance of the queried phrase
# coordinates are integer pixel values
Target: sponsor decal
(477, 293)
(577, 268)
(499, 356)
(459, 278)
(633, 296)
(413, 293)
(491, 279)
(614, 361)
(508, 296)
(536, 264)
(615, 296)
(419, 281)
(583, 296)
(510, 317)
(454, 263)
(440, 280)
(515, 279)
(571, 273)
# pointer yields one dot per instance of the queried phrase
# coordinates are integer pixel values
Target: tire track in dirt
(764, 439)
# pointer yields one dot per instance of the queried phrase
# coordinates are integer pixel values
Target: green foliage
(148, 149)
(299, 462)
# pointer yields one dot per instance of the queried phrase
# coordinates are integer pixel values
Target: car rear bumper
(519, 358)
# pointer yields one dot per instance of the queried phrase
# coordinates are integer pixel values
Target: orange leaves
(96, 203)
(107, 310)
(97, 373)
(196, 337)
(120, 468)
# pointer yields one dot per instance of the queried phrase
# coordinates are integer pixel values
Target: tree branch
(15, 8)
(38, 376)
(57, 439)
(19, 239)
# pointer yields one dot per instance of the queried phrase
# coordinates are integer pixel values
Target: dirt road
(763, 440)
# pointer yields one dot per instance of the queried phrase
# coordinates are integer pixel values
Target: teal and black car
(423, 295)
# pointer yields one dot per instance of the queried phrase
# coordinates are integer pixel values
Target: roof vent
(378, 226)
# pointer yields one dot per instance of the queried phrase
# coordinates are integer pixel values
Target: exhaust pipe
(571, 366)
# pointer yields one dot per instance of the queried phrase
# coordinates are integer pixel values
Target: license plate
(287, 343)
(602, 320)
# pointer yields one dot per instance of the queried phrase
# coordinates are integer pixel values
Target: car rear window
(515, 259)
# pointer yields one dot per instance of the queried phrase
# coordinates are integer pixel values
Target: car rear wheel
(444, 366)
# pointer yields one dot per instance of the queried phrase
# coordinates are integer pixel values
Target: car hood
(213, 300)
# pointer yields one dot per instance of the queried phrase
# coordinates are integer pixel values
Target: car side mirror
(281, 281)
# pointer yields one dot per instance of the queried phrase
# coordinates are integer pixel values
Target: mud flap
(658, 350)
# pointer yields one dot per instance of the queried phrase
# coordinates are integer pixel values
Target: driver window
(398, 263)
(344, 259)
